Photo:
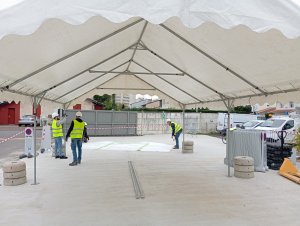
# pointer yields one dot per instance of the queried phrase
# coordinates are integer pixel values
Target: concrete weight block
(14, 182)
(245, 175)
(243, 161)
(14, 175)
(13, 166)
(188, 143)
(244, 168)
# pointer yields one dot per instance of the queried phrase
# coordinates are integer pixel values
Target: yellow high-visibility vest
(177, 127)
(77, 131)
(57, 131)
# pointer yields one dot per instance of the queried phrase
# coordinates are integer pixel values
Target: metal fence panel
(107, 123)
(155, 122)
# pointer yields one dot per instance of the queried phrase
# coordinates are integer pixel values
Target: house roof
(276, 110)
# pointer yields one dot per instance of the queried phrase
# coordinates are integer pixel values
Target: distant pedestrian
(57, 133)
(176, 131)
(76, 131)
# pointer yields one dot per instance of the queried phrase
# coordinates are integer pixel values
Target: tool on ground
(139, 193)
(289, 171)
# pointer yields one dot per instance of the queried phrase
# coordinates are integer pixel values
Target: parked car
(252, 124)
(235, 119)
(273, 125)
(28, 120)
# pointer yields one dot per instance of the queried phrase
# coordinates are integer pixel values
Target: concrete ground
(180, 189)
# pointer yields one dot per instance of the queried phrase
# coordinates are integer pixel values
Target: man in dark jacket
(76, 132)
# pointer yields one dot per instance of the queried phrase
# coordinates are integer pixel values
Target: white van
(275, 124)
(252, 124)
(235, 119)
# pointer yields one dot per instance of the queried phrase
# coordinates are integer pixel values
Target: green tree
(105, 99)
(243, 109)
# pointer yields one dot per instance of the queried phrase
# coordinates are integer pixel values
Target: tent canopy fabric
(191, 51)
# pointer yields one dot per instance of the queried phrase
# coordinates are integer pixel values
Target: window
(289, 124)
(273, 123)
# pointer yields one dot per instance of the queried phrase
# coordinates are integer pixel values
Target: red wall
(98, 107)
(4, 113)
(38, 110)
(77, 107)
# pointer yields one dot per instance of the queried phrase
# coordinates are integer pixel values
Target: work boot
(73, 164)
(63, 157)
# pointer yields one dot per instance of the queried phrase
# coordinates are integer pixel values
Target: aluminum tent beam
(179, 69)
(137, 44)
(93, 88)
(73, 53)
(29, 95)
(213, 59)
(159, 90)
(166, 81)
(86, 70)
(127, 89)
(81, 85)
(139, 73)
(139, 79)
(249, 96)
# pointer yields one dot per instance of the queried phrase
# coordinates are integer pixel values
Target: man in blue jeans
(176, 131)
(57, 134)
(76, 131)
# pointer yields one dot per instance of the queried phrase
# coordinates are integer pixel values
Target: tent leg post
(36, 102)
(64, 129)
(229, 104)
(183, 127)
(227, 143)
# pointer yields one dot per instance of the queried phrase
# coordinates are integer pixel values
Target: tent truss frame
(213, 59)
(73, 53)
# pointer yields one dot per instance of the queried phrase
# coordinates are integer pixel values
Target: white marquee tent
(194, 52)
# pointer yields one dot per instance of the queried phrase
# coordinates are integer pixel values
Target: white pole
(183, 121)
(34, 137)
(227, 138)
(142, 123)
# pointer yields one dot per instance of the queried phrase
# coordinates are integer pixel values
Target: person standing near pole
(76, 130)
(57, 133)
(176, 131)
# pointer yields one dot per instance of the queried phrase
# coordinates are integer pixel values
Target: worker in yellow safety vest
(76, 131)
(57, 134)
(176, 131)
